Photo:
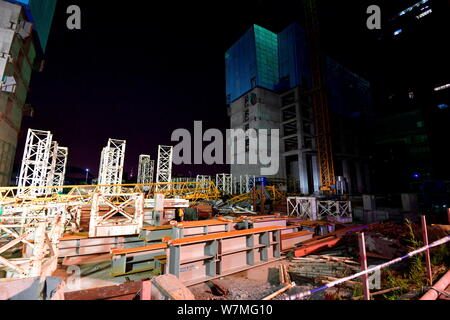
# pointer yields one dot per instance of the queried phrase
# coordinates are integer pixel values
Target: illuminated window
(445, 86)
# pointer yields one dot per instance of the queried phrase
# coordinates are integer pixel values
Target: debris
(314, 268)
(277, 293)
(220, 288)
(381, 245)
(378, 293)
(123, 291)
(170, 287)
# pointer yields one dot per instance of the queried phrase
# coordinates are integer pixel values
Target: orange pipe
(441, 285)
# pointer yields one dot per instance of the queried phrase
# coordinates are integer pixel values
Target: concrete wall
(263, 113)
(18, 56)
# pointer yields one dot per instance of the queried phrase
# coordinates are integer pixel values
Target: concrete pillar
(360, 187)
(369, 204)
(347, 175)
(410, 203)
(303, 173)
(316, 174)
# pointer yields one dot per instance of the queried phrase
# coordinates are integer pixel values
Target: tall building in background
(24, 30)
(413, 113)
(268, 76)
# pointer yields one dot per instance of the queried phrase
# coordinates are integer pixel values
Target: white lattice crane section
(111, 166)
(164, 166)
(60, 167)
(224, 182)
(144, 169)
(35, 162)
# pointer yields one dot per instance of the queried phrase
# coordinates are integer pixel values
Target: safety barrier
(304, 294)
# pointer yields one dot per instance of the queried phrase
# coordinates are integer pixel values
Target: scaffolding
(111, 166)
(35, 162)
(60, 167)
(144, 169)
(164, 167)
(57, 167)
(151, 171)
(224, 183)
(246, 183)
(203, 180)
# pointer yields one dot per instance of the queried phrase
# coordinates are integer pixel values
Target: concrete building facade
(19, 49)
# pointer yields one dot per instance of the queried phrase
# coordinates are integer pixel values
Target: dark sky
(137, 72)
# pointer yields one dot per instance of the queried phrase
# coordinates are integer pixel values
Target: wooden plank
(105, 293)
(171, 286)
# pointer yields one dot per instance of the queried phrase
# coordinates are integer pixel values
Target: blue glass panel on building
(240, 66)
(294, 60)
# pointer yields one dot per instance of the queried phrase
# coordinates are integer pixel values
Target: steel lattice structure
(60, 167)
(246, 183)
(203, 179)
(164, 166)
(151, 171)
(57, 167)
(111, 165)
(224, 183)
(144, 169)
(35, 162)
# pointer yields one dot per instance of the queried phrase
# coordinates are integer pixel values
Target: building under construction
(269, 86)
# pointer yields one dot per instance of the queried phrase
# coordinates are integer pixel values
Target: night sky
(138, 72)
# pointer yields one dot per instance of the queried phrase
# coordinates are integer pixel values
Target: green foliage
(393, 281)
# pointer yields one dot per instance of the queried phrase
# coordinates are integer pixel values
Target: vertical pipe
(448, 215)
(363, 260)
(427, 252)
